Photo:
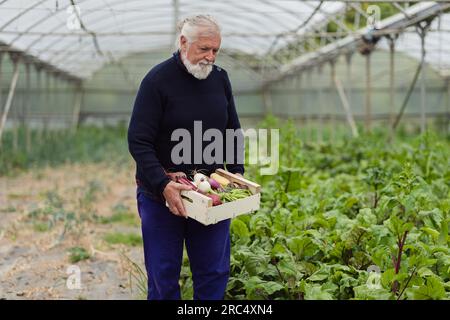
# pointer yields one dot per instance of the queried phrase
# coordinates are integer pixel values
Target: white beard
(201, 70)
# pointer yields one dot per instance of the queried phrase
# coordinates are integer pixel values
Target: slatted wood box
(200, 208)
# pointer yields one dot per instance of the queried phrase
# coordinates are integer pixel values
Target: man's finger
(180, 208)
(174, 210)
(183, 187)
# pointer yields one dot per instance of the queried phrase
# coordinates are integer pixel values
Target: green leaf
(425, 272)
(366, 217)
(431, 232)
(256, 288)
(302, 246)
(256, 264)
(350, 202)
(397, 226)
(240, 230)
(364, 293)
(387, 277)
(443, 235)
(320, 275)
(433, 289)
(290, 269)
(315, 292)
(432, 218)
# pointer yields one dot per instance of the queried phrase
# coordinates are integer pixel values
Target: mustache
(204, 62)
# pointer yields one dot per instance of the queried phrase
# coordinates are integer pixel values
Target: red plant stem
(401, 243)
(185, 181)
(397, 262)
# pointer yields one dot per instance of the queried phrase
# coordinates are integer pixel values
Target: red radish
(214, 184)
(215, 198)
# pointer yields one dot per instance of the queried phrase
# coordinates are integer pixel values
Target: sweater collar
(177, 57)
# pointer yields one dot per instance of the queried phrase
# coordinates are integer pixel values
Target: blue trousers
(164, 235)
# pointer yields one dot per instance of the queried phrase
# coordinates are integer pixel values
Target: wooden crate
(200, 208)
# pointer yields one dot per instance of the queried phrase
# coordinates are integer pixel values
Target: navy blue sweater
(169, 98)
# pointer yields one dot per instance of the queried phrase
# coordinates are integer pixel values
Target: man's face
(203, 49)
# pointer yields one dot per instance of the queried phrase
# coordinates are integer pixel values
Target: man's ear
(183, 43)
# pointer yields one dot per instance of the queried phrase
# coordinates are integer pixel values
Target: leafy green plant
(129, 239)
(335, 210)
(59, 146)
(77, 254)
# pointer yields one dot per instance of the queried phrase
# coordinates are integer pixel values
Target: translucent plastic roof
(437, 44)
(80, 41)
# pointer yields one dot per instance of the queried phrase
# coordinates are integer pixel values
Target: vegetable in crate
(233, 194)
(203, 188)
(214, 184)
(199, 177)
(223, 181)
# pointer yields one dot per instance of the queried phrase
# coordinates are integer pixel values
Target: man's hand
(172, 194)
(174, 175)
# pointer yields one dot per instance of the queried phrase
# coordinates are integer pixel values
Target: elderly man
(184, 89)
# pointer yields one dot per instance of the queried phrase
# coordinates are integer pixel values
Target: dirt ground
(46, 213)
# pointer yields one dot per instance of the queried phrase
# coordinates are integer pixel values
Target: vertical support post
(333, 114)
(27, 108)
(321, 104)
(348, 60)
(1, 88)
(447, 122)
(77, 106)
(267, 100)
(39, 100)
(421, 29)
(308, 104)
(12, 90)
(357, 20)
(391, 40)
(55, 110)
(368, 104)
(299, 88)
(346, 107)
(47, 103)
(423, 111)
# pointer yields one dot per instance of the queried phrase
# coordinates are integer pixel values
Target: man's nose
(211, 56)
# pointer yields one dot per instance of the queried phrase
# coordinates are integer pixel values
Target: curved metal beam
(93, 11)
(190, 6)
(70, 44)
(21, 13)
(61, 25)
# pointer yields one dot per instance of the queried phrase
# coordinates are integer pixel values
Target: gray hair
(194, 26)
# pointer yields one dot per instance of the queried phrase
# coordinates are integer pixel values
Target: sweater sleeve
(238, 143)
(142, 133)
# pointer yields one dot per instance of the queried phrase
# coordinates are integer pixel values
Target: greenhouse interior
(355, 93)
